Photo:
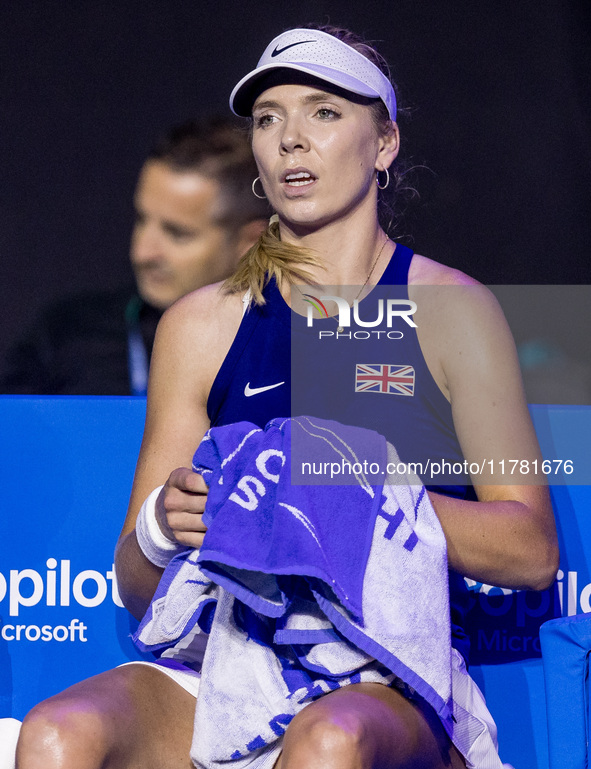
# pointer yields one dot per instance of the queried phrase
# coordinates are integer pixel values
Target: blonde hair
(270, 258)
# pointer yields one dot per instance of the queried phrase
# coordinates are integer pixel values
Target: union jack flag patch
(384, 378)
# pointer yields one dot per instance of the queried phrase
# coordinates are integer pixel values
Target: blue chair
(66, 467)
(506, 643)
(566, 641)
(566, 646)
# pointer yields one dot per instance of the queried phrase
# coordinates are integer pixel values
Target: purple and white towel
(303, 589)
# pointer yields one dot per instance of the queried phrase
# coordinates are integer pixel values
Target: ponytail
(269, 258)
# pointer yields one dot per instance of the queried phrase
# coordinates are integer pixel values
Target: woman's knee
(129, 716)
(364, 725)
(63, 732)
(326, 737)
(82, 726)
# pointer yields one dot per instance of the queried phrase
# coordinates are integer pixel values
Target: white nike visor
(322, 56)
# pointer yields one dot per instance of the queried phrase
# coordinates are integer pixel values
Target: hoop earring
(383, 186)
(260, 197)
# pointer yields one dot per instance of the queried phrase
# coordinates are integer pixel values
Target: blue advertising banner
(66, 467)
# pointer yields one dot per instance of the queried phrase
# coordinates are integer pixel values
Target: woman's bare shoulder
(211, 305)
(458, 320)
(450, 297)
(195, 334)
(427, 272)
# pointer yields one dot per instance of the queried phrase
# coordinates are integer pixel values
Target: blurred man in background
(195, 217)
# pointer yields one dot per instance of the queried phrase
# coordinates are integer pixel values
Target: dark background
(497, 119)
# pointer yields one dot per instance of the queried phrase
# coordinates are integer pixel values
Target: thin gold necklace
(369, 274)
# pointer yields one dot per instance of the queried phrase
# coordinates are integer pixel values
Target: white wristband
(155, 545)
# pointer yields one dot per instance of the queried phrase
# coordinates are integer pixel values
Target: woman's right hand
(180, 506)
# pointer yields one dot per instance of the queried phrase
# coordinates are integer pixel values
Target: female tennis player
(325, 139)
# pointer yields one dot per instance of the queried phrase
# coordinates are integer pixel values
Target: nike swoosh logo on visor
(277, 51)
(249, 391)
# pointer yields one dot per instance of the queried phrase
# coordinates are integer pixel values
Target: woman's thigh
(130, 717)
(367, 726)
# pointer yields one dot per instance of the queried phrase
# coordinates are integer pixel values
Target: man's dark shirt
(79, 346)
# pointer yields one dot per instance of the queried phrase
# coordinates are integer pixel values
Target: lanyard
(137, 356)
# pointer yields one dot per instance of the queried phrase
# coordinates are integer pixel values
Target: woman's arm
(193, 338)
(508, 537)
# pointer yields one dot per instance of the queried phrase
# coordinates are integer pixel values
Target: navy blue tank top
(373, 375)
